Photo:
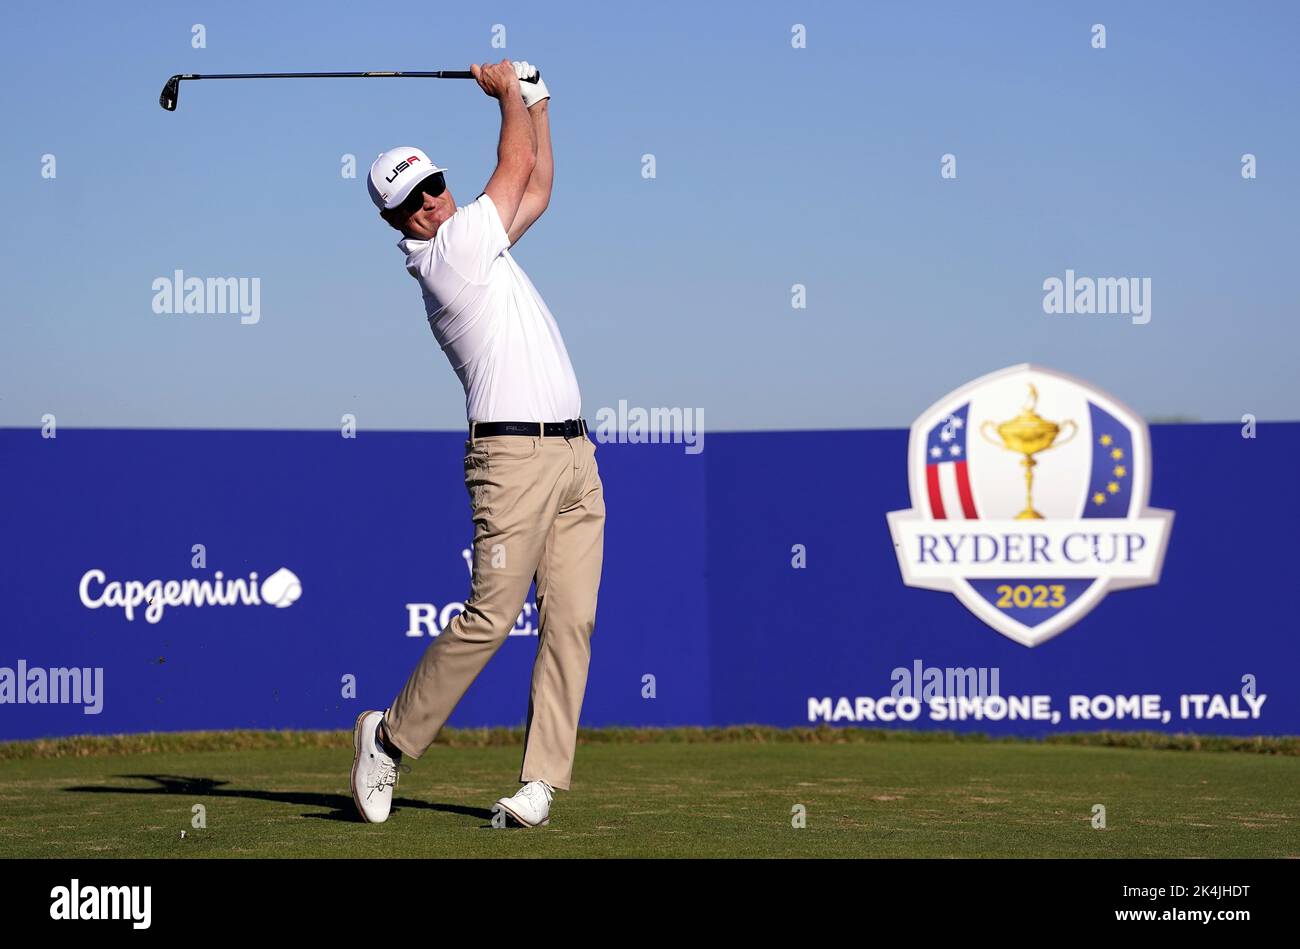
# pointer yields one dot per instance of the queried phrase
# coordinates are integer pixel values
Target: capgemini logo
(282, 588)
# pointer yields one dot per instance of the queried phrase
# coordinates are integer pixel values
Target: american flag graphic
(946, 479)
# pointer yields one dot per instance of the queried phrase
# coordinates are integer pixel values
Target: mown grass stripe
(85, 746)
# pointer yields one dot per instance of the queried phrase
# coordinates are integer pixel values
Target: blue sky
(775, 166)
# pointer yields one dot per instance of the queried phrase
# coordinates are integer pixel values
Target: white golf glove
(533, 91)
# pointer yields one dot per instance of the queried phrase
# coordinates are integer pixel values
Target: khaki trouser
(539, 513)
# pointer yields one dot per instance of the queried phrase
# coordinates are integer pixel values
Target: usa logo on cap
(395, 173)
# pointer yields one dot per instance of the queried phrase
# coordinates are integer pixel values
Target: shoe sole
(356, 760)
(519, 820)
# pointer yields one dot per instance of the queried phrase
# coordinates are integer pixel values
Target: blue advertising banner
(157, 580)
(829, 641)
(354, 550)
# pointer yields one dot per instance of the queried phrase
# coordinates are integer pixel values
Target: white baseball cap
(396, 172)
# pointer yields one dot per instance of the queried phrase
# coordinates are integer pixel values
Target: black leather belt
(570, 428)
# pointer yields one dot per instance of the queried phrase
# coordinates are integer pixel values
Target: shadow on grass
(340, 806)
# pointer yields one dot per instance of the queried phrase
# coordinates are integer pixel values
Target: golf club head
(170, 93)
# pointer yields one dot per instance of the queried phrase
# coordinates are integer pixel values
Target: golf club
(171, 91)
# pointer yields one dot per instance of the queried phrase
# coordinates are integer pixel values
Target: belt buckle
(572, 428)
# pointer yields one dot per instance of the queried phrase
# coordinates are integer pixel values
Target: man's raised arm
(517, 146)
(538, 193)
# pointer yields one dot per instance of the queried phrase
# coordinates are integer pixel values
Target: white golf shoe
(531, 806)
(374, 772)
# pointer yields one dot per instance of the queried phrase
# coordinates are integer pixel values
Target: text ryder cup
(1077, 547)
(1125, 547)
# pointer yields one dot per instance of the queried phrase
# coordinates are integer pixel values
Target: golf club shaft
(171, 91)
(440, 74)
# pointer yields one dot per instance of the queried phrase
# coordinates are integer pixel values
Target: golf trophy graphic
(1029, 434)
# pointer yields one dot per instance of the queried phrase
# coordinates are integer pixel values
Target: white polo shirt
(491, 322)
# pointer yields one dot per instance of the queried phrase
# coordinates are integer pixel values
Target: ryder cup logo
(1029, 492)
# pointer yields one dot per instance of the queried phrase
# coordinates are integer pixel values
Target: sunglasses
(433, 186)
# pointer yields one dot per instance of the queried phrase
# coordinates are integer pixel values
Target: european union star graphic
(1110, 489)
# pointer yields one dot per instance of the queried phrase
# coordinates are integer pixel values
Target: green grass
(659, 794)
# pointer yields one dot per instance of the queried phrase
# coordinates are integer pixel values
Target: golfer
(530, 467)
